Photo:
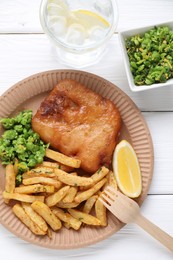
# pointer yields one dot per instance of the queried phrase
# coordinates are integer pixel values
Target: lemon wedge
(127, 170)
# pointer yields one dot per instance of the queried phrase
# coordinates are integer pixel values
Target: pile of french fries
(53, 195)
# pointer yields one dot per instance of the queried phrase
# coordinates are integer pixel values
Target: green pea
(7, 123)
(18, 179)
(18, 128)
(151, 56)
(32, 162)
(30, 146)
(10, 134)
(20, 143)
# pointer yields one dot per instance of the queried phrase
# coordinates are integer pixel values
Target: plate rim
(123, 94)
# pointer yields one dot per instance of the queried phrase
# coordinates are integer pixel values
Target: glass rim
(78, 49)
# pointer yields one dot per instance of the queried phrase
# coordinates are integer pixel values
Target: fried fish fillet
(79, 123)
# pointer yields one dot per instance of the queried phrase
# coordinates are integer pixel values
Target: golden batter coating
(79, 123)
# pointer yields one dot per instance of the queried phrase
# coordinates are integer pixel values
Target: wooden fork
(128, 211)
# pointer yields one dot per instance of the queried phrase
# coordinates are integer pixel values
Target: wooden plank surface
(25, 50)
(26, 54)
(22, 16)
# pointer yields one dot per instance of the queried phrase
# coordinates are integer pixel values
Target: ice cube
(97, 33)
(58, 26)
(57, 9)
(75, 34)
(54, 9)
(104, 7)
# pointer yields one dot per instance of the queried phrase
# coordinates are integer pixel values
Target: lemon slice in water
(127, 170)
(89, 19)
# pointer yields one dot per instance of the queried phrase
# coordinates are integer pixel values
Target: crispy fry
(49, 233)
(61, 191)
(88, 193)
(22, 197)
(35, 217)
(59, 157)
(9, 179)
(57, 196)
(112, 180)
(21, 214)
(41, 169)
(44, 211)
(89, 204)
(16, 163)
(100, 210)
(72, 180)
(84, 217)
(42, 180)
(66, 217)
(70, 205)
(57, 166)
(31, 174)
(69, 197)
(97, 176)
(100, 174)
(35, 188)
(66, 225)
(74, 173)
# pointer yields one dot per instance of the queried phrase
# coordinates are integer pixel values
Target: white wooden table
(25, 50)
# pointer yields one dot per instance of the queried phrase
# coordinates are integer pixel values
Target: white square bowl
(123, 35)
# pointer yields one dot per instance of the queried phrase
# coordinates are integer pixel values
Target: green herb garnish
(99, 170)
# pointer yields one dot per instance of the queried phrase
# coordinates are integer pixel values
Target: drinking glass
(79, 29)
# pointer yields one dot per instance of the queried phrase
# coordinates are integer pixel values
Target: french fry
(31, 174)
(62, 190)
(42, 180)
(57, 166)
(35, 217)
(49, 233)
(61, 158)
(89, 204)
(84, 217)
(66, 217)
(72, 180)
(74, 173)
(100, 210)
(88, 193)
(21, 214)
(45, 212)
(66, 225)
(35, 188)
(57, 196)
(69, 197)
(16, 163)
(10, 177)
(112, 181)
(97, 176)
(41, 169)
(70, 205)
(22, 197)
(100, 174)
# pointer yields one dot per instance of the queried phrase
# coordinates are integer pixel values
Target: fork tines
(108, 196)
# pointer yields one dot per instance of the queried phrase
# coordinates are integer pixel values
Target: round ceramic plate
(27, 94)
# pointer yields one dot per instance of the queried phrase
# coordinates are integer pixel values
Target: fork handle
(155, 231)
